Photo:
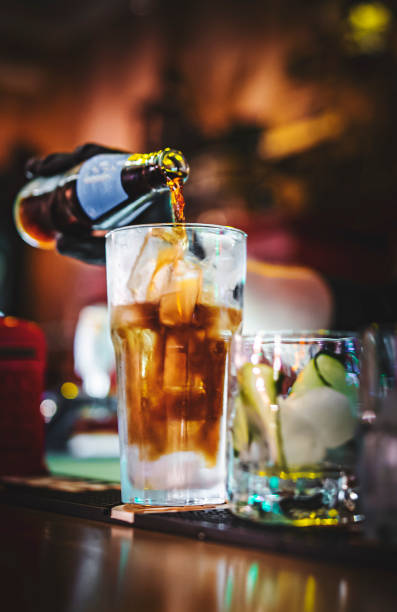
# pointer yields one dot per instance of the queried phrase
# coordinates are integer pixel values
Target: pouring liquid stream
(177, 199)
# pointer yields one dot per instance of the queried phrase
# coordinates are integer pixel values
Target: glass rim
(296, 334)
(207, 226)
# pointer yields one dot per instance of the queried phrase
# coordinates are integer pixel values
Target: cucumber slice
(255, 391)
(258, 389)
(259, 392)
(301, 442)
(324, 370)
(240, 426)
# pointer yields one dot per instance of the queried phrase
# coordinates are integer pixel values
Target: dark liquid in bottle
(39, 223)
(34, 223)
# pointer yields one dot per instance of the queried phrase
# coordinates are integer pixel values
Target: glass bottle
(106, 191)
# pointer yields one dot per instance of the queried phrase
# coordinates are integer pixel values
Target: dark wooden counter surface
(51, 562)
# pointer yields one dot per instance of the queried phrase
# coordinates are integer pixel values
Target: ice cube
(207, 295)
(175, 235)
(151, 361)
(221, 276)
(302, 445)
(222, 322)
(143, 268)
(178, 303)
(159, 282)
(155, 253)
(257, 451)
(197, 361)
(133, 315)
(175, 363)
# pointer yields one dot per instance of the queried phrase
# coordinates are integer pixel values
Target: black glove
(83, 246)
(80, 245)
(60, 162)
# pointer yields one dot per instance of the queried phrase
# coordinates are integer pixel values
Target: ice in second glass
(175, 295)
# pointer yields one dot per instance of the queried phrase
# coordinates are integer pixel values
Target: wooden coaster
(126, 512)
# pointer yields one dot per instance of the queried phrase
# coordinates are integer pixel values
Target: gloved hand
(60, 162)
(81, 245)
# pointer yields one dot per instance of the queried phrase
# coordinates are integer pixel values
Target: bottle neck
(144, 174)
(162, 166)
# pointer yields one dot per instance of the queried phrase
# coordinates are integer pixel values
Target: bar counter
(61, 563)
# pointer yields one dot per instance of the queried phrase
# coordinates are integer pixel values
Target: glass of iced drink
(175, 295)
(293, 425)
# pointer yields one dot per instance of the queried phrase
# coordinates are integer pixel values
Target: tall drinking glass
(175, 295)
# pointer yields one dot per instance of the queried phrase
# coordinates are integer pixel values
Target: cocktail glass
(292, 428)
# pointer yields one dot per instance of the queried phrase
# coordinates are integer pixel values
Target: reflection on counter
(78, 565)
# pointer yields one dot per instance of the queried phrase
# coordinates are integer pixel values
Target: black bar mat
(99, 500)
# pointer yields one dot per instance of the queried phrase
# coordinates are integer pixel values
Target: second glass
(292, 428)
(175, 295)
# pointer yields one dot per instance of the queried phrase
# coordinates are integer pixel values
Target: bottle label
(99, 187)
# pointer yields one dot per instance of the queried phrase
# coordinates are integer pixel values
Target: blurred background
(286, 111)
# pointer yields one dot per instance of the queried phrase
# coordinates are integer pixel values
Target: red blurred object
(22, 365)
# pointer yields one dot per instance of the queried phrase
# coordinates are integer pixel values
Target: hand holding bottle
(73, 199)
(56, 163)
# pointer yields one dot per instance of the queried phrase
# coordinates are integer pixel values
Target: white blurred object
(90, 445)
(93, 350)
(285, 297)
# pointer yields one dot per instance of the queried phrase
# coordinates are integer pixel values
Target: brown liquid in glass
(173, 377)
